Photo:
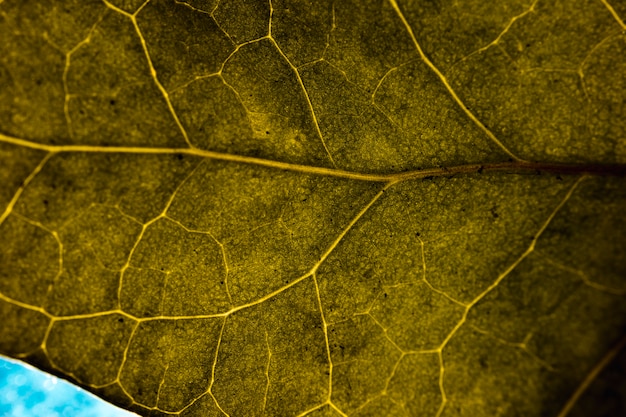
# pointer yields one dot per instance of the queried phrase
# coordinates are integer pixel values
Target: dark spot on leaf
(483, 362)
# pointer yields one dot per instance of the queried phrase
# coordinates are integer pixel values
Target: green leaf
(290, 208)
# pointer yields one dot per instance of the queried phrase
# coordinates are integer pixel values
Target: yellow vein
(292, 283)
(345, 231)
(424, 279)
(614, 13)
(325, 330)
(513, 167)
(445, 82)
(46, 335)
(595, 371)
(123, 362)
(151, 318)
(304, 90)
(213, 366)
(217, 350)
(498, 280)
(156, 402)
(66, 68)
(97, 314)
(308, 101)
(199, 153)
(57, 238)
(314, 408)
(531, 247)
(583, 276)
(267, 370)
(25, 306)
(523, 346)
(23, 186)
(501, 34)
(209, 389)
(153, 73)
(442, 389)
(337, 409)
(396, 365)
(141, 234)
(116, 9)
(220, 244)
(385, 331)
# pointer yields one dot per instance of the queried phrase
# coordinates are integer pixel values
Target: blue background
(28, 392)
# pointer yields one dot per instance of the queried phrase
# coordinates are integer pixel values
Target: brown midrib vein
(506, 166)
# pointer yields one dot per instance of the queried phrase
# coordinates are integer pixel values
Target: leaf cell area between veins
(329, 208)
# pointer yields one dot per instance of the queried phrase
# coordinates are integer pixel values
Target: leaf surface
(295, 208)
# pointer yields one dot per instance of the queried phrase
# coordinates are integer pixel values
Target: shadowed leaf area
(317, 208)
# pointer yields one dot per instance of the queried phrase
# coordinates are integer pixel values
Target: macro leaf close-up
(317, 208)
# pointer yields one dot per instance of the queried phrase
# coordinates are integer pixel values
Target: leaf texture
(298, 208)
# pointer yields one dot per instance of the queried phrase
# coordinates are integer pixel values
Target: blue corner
(28, 392)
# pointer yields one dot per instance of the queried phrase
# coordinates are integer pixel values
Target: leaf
(317, 208)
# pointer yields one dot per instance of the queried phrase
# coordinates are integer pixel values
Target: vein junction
(511, 166)
(388, 181)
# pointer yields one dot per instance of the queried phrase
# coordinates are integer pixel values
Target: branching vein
(447, 85)
(304, 90)
(514, 166)
(498, 280)
(153, 72)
